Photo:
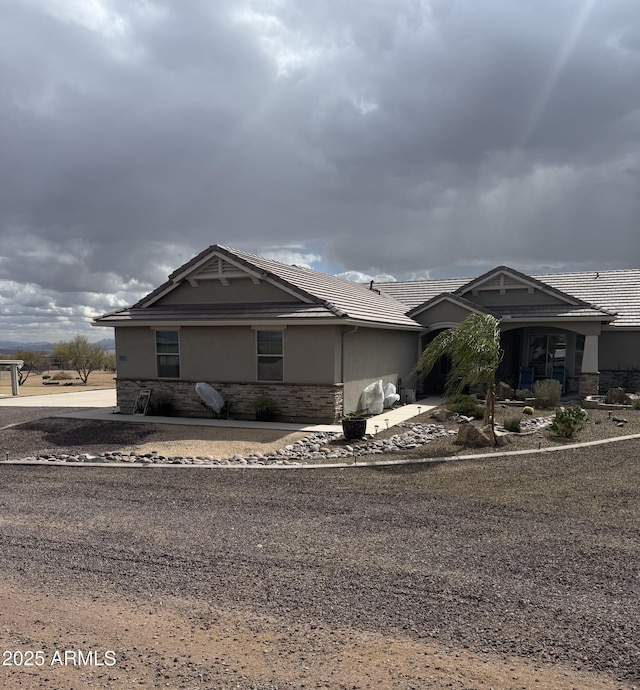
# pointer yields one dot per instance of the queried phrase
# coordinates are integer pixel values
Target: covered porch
(531, 353)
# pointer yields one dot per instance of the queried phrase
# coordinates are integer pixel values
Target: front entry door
(548, 355)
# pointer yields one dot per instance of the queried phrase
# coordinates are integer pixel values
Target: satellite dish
(210, 397)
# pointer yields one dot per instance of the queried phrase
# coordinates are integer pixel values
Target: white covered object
(374, 397)
(210, 397)
(390, 395)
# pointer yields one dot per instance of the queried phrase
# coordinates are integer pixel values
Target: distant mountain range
(9, 346)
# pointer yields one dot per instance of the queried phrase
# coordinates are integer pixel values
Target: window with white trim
(270, 355)
(168, 354)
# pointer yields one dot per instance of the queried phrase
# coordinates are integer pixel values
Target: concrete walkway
(101, 404)
(388, 418)
(105, 397)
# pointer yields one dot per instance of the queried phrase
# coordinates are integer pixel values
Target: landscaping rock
(504, 391)
(617, 396)
(441, 414)
(473, 436)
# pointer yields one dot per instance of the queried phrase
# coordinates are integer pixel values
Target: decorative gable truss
(503, 280)
(219, 268)
(215, 265)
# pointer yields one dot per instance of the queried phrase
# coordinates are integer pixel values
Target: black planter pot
(354, 428)
(265, 415)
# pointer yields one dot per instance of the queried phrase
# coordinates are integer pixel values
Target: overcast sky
(403, 138)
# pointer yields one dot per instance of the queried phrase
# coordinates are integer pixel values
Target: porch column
(590, 376)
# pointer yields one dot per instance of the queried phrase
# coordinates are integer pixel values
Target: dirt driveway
(505, 574)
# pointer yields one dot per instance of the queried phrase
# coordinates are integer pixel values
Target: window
(168, 354)
(269, 348)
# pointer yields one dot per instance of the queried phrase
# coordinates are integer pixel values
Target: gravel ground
(506, 573)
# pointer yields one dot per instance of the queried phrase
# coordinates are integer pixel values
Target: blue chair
(558, 374)
(525, 381)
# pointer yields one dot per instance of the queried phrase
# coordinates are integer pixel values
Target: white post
(590, 355)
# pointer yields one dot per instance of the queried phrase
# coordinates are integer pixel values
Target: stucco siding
(225, 353)
(135, 352)
(238, 291)
(228, 353)
(371, 354)
(584, 327)
(310, 354)
(443, 313)
(619, 350)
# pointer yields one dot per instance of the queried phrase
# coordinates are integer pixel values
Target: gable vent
(219, 269)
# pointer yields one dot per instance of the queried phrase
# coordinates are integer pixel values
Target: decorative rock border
(310, 449)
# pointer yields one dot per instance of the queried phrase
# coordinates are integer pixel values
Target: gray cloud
(406, 137)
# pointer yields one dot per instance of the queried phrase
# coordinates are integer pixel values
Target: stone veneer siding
(629, 379)
(297, 402)
(589, 384)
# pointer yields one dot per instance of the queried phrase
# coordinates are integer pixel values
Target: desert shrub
(547, 393)
(466, 405)
(161, 405)
(569, 421)
(512, 424)
(62, 376)
(527, 410)
(266, 408)
(636, 404)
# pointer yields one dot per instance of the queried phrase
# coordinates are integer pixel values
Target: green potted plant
(266, 408)
(354, 426)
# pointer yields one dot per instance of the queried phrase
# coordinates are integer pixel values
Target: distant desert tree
(474, 349)
(81, 355)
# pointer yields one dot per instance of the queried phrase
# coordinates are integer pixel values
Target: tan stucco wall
(228, 353)
(239, 290)
(619, 350)
(372, 354)
(133, 348)
(444, 312)
(586, 327)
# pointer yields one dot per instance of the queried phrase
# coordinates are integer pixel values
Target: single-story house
(253, 327)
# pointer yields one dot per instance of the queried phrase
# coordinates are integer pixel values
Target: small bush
(466, 405)
(161, 405)
(636, 404)
(62, 376)
(512, 424)
(266, 408)
(569, 421)
(547, 393)
(528, 410)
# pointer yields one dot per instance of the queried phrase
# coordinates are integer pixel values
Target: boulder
(502, 438)
(504, 391)
(473, 436)
(442, 414)
(617, 396)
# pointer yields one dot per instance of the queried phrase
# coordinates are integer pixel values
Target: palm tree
(474, 349)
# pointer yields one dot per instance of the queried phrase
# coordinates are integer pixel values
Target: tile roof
(413, 293)
(602, 294)
(339, 297)
(218, 312)
(346, 298)
(617, 292)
